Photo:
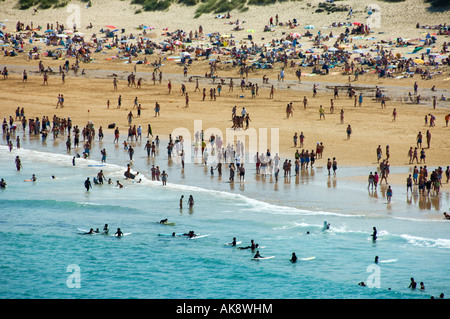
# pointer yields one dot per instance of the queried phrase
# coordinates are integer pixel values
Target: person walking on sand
(389, 194)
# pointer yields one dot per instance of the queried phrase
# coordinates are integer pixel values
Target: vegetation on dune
(203, 6)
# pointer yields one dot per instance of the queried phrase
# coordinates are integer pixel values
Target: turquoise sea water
(41, 245)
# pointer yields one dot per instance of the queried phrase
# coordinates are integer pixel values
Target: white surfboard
(124, 234)
(263, 258)
(231, 244)
(388, 260)
(198, 236)
(308, 258)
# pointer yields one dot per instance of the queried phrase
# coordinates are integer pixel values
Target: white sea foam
(426, 242)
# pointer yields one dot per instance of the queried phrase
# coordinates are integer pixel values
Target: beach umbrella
(185, 54)
(178, 42)
(110, 27)
(310, 26)
(358, 51)
(48, 31)
(62, 35)
(287, 42)
(295, 35)
(356, 23)
(251, 30)
(68, 31)
(333, 49)
(419, 61)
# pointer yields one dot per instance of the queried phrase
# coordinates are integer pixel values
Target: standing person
(191, 201)
(241, 173)
(164, 178)
(169, 86)
(321, 112)
(370, 179)
(329, 166)
(419, 140)
(149, 130)
(389, 194)
(181, 202)
(374, 234)
(394, 114)
(379, 153)
(342, 116)
(148, 148)
(103, 152)
(334, 165)
(360, 99)
(349, 131)
(116, 135)
(119, 101)
(131, 153)
(428, 136)
(409, 182)
(157, 109)
(87, 184)
(130, 118)
(18, 163)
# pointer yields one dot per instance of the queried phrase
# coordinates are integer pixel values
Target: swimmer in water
(293, 258)
(119, 233)
(374, 234)
(257, 255)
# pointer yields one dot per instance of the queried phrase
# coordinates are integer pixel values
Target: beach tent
(310, 26)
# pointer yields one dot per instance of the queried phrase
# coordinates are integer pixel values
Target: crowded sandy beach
(386, 84)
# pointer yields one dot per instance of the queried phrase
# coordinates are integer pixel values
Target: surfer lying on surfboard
(257, 255)
(190, 234)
